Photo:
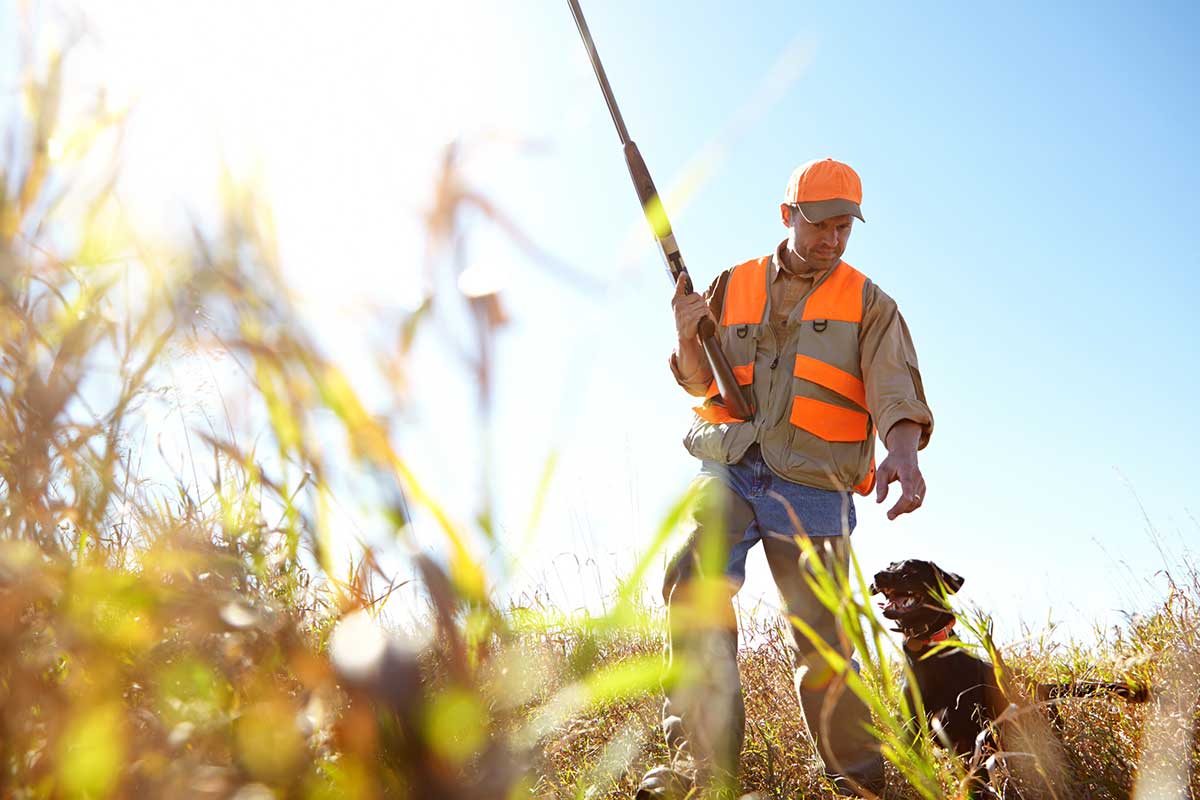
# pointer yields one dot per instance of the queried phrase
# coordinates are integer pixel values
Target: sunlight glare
(482, 278)
(358, 645)
(322, 101)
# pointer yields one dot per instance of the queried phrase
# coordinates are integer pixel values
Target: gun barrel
(598, 68)
(656, 215)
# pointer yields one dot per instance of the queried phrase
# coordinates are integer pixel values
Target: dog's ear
(953, 582)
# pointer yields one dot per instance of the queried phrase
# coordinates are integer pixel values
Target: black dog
(960, 693)
(959, 690)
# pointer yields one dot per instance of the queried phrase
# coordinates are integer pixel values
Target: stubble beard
(804, 266)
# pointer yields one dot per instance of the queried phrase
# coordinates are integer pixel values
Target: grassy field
(1110, 743)
(199, 633)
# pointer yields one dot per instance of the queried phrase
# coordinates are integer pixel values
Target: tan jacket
(877, 349)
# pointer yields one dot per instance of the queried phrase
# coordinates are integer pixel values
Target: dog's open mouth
(899, 603)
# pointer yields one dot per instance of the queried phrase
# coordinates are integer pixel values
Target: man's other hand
(901, 465)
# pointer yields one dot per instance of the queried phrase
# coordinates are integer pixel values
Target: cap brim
(820, 210)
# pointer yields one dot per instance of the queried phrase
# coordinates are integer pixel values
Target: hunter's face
(816, 245)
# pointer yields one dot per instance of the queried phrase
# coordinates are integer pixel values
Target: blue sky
(1027, 178)
(1028, 182)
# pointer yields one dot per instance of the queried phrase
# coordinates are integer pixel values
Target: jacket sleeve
(889, 366)
(697, 383)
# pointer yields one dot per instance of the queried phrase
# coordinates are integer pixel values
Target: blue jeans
(781, 508)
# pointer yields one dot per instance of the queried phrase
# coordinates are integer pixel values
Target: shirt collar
(777, 261)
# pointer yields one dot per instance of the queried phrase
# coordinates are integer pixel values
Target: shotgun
(731, 393)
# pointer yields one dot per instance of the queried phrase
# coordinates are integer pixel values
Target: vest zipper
(775, 361)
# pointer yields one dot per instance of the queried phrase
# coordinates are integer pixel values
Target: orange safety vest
(826, 402)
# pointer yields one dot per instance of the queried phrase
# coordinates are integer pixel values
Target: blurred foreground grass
(196, 634)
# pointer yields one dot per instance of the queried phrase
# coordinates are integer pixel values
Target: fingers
(912, 485)
(882, 478)
(904, 505)
(912, 497)
(689, 310)
(681, 286)
(688, 314)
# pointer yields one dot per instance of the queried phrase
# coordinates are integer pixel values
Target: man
(826, 360)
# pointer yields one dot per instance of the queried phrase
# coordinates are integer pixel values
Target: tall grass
(197, 629)
(200, 630)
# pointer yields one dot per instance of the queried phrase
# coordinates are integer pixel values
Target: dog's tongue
(896, 605)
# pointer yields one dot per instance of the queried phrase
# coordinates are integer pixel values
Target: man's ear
(785, 214)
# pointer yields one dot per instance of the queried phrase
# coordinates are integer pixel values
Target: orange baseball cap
(824, 188)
